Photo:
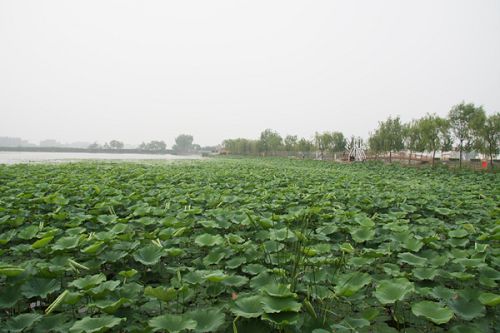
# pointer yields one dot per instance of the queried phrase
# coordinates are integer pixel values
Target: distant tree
(183, 143)
(305, 146)
(323, 142)
(412, 137)
(290, 143)
(375, 143)
(156, 145)
(488, 136)
(115, 144)
(95, 145)
(435, 135)
(241, 146)
(270, 141)
(50, 143)
(464, 119)
(142, 146)
(338, 142)
(390, 135)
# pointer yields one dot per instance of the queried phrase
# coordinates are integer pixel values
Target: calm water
(41, 157)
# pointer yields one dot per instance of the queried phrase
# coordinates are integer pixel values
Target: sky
(150, 70)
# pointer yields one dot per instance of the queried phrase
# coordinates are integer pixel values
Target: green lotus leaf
(194, 277)
(42, 242)
(128, 273)
(174, 252)
(105, 287)
(208, 240)
(412, 259)
(261, 280)
(278, 290)
(214, 257)
(97, 324)
(107, 219)
(7, 270)
(432, 311)
(364, 221)
(390, 291)
(443, 211)
(66, 243)
(207, 320)
(489, 299)
(425, 273)
(353, 323)
(413, 244)
(22, 322)
(29, 232)
(215, 276)
(346, 247)
(9, 297)
(466, 308)
(110, 306)
(172, 323)
(118, 228)
(149, 254)
(40, 287)
(88, 281)
(280, 304)
(282, 318)
(254, 269)
(362, 234)
(465, 329)
(91, 249)
(350, 283)
(234, 238)
(458, 233)
(235, 262)
(162, 293)
(247, 307)
(53, 323)
(235, 281)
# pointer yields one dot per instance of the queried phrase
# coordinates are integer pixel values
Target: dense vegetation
(467, 128)
(248, 246)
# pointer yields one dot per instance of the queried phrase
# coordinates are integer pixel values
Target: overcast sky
(143, 70)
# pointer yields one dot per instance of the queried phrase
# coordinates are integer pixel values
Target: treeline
(466, 128)
(183, 144)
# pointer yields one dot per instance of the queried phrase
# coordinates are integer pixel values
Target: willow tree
(389, 135)
(435, 134)
(464, 119)
(488, 136)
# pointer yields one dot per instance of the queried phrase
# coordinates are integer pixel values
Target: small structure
(355, 152)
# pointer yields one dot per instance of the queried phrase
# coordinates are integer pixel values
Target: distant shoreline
(88, 150)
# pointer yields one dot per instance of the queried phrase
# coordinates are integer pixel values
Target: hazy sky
(143, 70)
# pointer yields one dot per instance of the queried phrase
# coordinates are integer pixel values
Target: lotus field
(248, 245)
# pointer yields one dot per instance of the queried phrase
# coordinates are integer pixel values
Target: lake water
(42, 157)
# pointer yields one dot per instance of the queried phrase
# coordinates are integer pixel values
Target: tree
(95, 145)
(412, 137)
(290, 143)
(488, 136)
(183, 143)
(389, 136)
(434, 132)
(304, 146)
(270, 141)
(464, 118)
(338, 142)
(115, 144)
(375, 143)
(323, 142)
(156, 145)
